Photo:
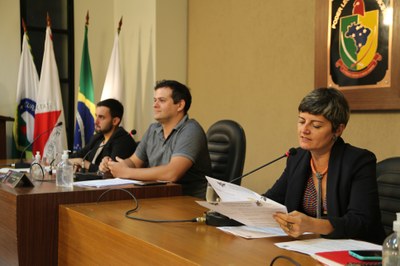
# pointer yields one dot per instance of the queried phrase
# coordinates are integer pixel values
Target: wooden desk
(99, 234)
(29, 217)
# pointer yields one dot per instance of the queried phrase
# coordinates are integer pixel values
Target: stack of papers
(243, 205)
(312, 246)
(115, 182)
(251, 232)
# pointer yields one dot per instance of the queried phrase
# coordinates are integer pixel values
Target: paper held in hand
(243, 205)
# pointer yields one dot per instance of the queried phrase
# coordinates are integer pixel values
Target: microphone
(290, 152)
(21, 164)
(132, 132)
(217, 219)
(83, 170)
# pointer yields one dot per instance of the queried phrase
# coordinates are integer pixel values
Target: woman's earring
(334, 138)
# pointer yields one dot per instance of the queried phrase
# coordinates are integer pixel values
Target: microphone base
(87, 176)
(22, 165)
(217, 219)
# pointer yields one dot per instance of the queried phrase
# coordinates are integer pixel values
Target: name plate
(15, 179)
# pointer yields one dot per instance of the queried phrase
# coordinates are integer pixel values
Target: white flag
(49, 107)
(27, 87)
(113, 84)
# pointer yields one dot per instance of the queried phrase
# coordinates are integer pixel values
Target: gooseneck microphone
(21, 163)
(290, 152)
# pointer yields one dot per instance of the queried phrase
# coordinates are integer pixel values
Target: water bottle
(391, 247)
(64, 174)
(36, 169)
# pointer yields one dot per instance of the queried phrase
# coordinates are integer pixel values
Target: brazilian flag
(84, 126)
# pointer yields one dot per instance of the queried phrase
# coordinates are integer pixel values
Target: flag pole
(24, 25)
(119, 25)
(48, 20)
(87, 18)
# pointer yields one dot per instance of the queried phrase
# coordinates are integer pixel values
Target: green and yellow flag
(84, 126)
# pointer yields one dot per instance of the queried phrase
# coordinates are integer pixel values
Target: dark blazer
(352, 194)
(120, 144)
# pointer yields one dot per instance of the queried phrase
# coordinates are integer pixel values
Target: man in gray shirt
(173, 149)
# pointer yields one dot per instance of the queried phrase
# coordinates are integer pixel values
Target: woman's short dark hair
(179, 92)
(115, 106)
(328, 102)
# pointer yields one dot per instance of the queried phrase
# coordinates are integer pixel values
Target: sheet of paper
(231, 192)
(312, 246)
(252, 213)
(243, 205)
(20, 170)
(228, 192)
(111, 182)
(250, 232)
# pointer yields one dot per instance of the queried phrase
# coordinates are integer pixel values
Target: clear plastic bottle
(36, 169)
(65, 174)
(391, 246)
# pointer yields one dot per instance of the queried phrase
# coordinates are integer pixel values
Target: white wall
(137, 38)
(102, 26)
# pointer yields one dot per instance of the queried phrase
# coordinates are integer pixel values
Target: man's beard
(105, 130)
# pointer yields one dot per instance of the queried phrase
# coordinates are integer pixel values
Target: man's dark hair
(179, 92)
(116, 108)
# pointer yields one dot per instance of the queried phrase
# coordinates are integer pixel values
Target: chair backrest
(227, 146)
(388, 178)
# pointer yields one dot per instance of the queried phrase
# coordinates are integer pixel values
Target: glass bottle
(390, 247)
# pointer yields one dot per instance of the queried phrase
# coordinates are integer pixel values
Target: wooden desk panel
(29, 217)
(99, 234)
(8, 229)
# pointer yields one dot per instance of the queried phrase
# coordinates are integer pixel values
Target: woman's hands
(296, 223)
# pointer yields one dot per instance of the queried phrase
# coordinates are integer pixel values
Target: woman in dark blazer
(347, 205)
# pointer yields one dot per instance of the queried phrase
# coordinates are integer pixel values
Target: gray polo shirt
(187, 139)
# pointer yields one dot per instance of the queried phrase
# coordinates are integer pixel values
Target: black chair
(388, 178)
(227, 146)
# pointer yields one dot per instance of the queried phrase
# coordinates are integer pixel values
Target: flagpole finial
(48, 20)
(119, 25)
(24, 25)
(87, 18)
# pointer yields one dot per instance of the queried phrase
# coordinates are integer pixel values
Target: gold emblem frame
(385, 96)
